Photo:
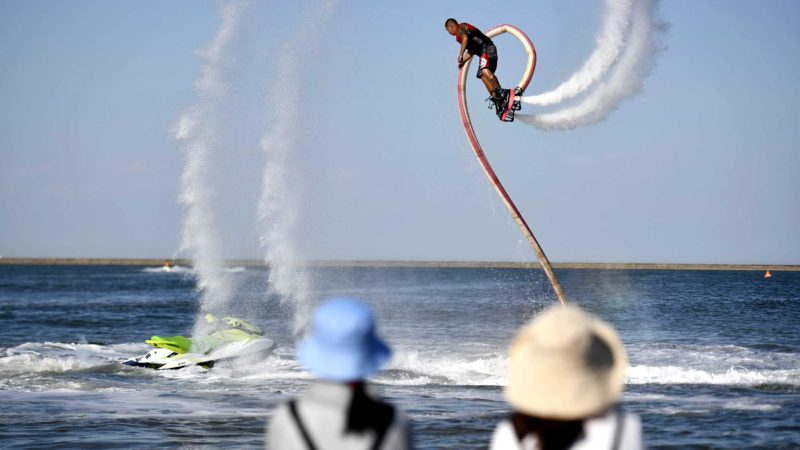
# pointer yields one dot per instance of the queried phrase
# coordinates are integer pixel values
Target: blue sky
(700, 167)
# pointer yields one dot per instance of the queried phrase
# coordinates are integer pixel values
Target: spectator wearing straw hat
(339, 412)
(566, 373)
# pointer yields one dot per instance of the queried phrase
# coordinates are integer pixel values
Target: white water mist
(609, 43)
(279, 202)
(624, 80)
(197, 130)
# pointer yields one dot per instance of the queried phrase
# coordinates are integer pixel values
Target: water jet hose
(487, 168)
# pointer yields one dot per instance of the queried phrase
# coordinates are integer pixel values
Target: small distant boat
(768, 274)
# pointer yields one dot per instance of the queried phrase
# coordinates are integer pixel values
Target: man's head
(451, 25)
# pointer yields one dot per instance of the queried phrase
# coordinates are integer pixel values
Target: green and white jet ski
(234, 339)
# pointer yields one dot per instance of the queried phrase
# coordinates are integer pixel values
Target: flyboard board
(512, 104)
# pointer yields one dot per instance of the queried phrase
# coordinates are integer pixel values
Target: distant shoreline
(408, 264)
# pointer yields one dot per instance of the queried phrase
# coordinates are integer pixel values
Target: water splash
(624, 80)
(279, 202)
(197, 130)
(610, 42)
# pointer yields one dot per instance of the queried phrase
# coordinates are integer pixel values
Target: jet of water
(610, 42)
(279, 202)
(625, 79)
(197, 130)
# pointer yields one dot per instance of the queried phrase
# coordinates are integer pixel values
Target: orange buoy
(768, 275)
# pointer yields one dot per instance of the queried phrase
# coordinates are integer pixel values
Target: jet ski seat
(178, 344)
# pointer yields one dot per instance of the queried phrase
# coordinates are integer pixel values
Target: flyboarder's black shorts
(488, 60)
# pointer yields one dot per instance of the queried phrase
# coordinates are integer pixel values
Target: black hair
(550, 434)
(366, 413)
(448, 21)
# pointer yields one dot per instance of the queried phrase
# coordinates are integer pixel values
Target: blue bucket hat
(343, 345)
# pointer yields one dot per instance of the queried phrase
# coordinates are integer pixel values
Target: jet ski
(233, 339)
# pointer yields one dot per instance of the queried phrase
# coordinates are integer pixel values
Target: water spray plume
(610, 42)
(198, 132)
(277, 207)
(625, 79)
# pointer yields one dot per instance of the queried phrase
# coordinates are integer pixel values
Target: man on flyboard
(473, 42)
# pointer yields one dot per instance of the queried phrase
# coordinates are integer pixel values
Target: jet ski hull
(166, 359)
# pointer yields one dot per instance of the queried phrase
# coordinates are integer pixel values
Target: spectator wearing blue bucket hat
(339, 412)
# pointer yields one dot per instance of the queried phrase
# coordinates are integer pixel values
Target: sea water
(715, 355)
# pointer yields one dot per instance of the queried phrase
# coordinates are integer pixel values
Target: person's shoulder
(279, 427)
(503, 436)
(399, 414)
(632, 432)
(624, 427)
(280, 413)
(631, 419)
(398, 436)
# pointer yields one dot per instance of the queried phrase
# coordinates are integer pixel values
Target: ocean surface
(715, 355)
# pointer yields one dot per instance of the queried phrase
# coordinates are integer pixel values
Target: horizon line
(400, 264)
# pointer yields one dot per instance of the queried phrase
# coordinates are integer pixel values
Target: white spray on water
(197, 130)
(278, 205)
(635, 57)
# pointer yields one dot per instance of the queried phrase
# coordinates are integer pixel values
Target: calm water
(715, 355)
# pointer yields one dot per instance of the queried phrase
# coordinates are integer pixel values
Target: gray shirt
(323, 411)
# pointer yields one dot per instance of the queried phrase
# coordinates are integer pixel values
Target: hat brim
(343, 364)
(536, 389)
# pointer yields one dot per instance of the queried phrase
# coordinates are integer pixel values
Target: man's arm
(462, 61)
(462, 35)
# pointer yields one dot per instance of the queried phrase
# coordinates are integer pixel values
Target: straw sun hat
(565, 365)
(343, 345)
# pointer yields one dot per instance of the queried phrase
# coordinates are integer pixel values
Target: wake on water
(187, 270)
(651, 364)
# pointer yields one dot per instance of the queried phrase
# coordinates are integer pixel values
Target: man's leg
(498, 95)
(490, 81)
